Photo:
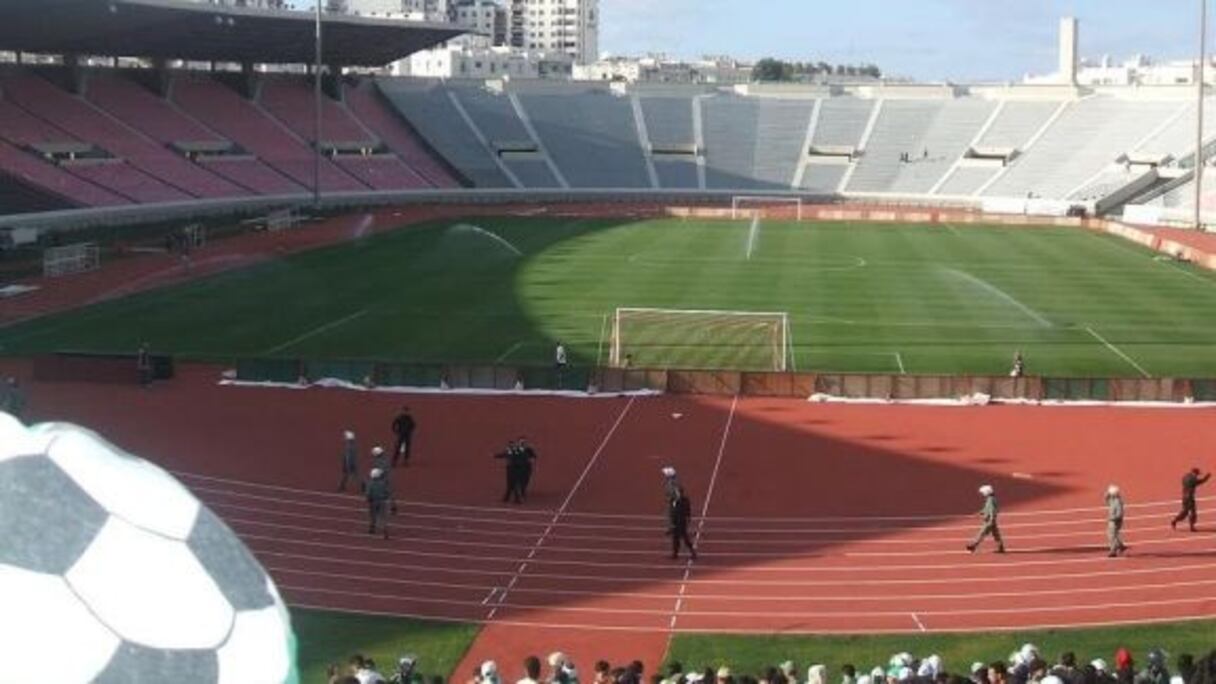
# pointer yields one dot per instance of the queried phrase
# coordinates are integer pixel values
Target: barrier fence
(724, 382)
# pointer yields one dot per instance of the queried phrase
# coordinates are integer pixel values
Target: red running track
(819, 518)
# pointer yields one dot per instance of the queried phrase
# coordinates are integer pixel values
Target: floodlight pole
(1199, 88)
(316, 123)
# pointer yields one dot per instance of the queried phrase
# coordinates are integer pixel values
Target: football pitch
(859, 297)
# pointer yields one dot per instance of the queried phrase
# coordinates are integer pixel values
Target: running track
(817, 518)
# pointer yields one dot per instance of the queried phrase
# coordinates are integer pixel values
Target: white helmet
(348, 435)
(668, 471)
(1112, 490)
(986, 490)
(377, 451)
(376, 472)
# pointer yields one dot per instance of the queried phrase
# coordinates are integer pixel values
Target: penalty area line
(1118, 352)
(899, 359)
(317, 331)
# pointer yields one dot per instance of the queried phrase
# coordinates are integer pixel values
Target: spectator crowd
(1024, 666)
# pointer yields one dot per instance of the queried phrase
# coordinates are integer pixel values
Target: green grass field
(754, 653)
(860, 297)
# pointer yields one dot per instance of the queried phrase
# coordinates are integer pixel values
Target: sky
(929, 40)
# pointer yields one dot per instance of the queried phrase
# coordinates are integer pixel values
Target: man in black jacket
(403, 429)
(525, 455)
(1190, 482)
(513, 456)
(379, 499)
(679, 514)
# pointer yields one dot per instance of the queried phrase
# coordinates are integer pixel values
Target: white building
(568, 26)
(661, 69)
(457, 61)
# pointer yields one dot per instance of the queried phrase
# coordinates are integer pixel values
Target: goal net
(682, 338)
(69, 259)
(765, 206)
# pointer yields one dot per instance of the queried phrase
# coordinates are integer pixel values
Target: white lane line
(1118, 352)
(742, 597)
(919, 625)
(899, 359)
(709, 493)
(1190, 616)
(595, 457)
(317, 331)
(356, 502)
(510, 350)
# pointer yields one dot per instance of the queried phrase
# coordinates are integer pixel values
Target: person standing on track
(526, 455)
(989, 515)
(1114, 521)
(379, 458)
(512, 456)
(671, 482)
(379, 500)
(559, 362)
(1190, 482)
(143, 364)
(403, 429)
(679, 514)
(350, 462)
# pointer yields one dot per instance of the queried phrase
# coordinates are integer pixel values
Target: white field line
(709, 493)
(1118, 352)
(356, 502)
(510, 350)
(741, 597)
(1000, 294)
(751, 235)
(317, 331)
(950, 227)
(540, 541)
(592, 627)
(599, 348)
(899, 359)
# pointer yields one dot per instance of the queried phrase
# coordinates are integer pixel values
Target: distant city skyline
(960, 40)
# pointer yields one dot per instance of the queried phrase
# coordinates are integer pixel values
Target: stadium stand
(590, 136)
(966, 180)
(677, 173)
(731, 126)
(494, 115)
(366, 102)
(947, 138)
(1090, 134)
(1017, 123)
(668, 120)
(901, 129)
(430, 109)
(842, 121)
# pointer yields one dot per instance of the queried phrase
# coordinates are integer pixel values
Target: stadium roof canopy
(199, 31)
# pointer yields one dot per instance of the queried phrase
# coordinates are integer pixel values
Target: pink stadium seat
(253, 174)
(41, 174)
(383, 172)
(365, 103)
(20, 128)
(128, 180)
(291, 101)
(249, 126)
(155, 117)
(88, 123)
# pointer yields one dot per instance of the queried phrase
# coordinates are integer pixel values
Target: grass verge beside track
(751, 654)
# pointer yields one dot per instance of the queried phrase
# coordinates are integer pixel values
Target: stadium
(832, 320)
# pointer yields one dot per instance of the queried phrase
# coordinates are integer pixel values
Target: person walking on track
(403, 429)
(518, 471)
(1190, 482)
(379, 502)
(350, 460)
(989, 515)
(1114, 521)
(527, 456)
(679, 514)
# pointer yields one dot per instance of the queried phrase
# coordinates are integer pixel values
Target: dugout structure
(69, 259)
(700, 339)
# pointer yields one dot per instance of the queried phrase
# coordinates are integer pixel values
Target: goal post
(697, 338)
(743, 206)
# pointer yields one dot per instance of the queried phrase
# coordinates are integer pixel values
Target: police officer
(1114, 521)
(679, 514)
(350, 464)
(525, 455)
(379, 499)
(512, 456)
(403, 429)
(1190, 482)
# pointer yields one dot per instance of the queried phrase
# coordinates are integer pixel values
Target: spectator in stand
(724, 676)
(1101, 672)
(531, 671)
(997, 673)
(817, 674)
(488, 673)
(603, 673)
(979, 673)
(1186, 668)
(350, 460)
(1066, 668)
(561, 669)
(406, 673)
(675, 673)
(1156, 672)
(848, 674)
(1125, 666)
(364, 670)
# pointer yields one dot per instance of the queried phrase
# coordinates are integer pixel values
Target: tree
(769, 69)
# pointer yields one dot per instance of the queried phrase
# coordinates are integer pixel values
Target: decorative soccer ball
(111, 571)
